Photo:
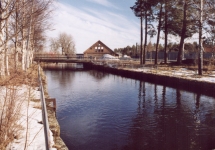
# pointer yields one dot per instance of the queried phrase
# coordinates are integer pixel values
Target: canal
(101, 111)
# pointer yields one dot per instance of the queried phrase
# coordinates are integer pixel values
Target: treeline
(134, 50)
(181, 18)
(22, 27)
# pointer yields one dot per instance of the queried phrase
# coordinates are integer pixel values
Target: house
(209, 49)
(97, 50)
(208, 52)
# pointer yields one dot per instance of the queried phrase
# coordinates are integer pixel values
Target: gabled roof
(100, 42)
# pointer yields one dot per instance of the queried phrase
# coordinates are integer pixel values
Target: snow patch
(31, 134)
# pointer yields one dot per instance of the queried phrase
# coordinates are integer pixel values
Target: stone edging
(161, 79)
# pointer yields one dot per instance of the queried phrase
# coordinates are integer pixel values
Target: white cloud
(87, 26)
(104, 3)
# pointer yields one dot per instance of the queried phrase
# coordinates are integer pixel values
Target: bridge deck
(62, 59)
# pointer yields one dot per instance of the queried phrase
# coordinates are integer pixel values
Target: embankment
(188, 84)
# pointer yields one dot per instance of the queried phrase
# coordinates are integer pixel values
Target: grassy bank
(20, 113)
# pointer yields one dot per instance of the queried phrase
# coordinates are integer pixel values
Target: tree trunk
(24, 51)
(31, 50)
(145, 44)
(183, 32)
(166, 36)
(6, 63)
(23, 56)
(200, 61)
(29, 41)
(158, 36)
(141, 40)
(15, 54)
(6, 48)
(183, 51)
(136, 51)
(2, 65)
(16, 38)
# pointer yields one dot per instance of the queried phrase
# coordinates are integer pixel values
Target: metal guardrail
(44, 112)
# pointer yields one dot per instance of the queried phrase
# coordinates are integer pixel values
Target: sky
(110, 21)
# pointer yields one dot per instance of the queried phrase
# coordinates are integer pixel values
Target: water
(100, 111)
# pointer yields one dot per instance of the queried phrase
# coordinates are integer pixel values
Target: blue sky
(111, 21)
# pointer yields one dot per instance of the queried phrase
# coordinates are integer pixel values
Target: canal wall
(193, 85)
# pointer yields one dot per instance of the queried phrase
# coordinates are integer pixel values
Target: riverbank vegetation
(17, 93)
(22, 32)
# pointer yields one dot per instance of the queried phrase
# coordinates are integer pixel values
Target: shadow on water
(64, 66)
(162, 126)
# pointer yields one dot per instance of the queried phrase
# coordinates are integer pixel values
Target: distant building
(97, 50)
(209, 49)
(119, 54)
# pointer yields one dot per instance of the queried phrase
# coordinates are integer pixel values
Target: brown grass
(11, 101)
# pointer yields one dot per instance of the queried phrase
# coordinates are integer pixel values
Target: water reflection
(98, 75)
(197, 110)
(63, 78)
(127, 114)
(168, 127)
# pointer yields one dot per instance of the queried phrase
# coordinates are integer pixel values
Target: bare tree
(54, 45)
(6, 8)
(22, 27)
(66, 43)
(63, 43)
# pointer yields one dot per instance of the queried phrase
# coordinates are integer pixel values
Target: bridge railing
(74, 57)
(58, 56)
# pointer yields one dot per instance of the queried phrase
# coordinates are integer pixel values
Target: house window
(102, 47)
(102, 50)
(95, 47)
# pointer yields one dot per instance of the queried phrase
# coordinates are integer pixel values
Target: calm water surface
(100, 111)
